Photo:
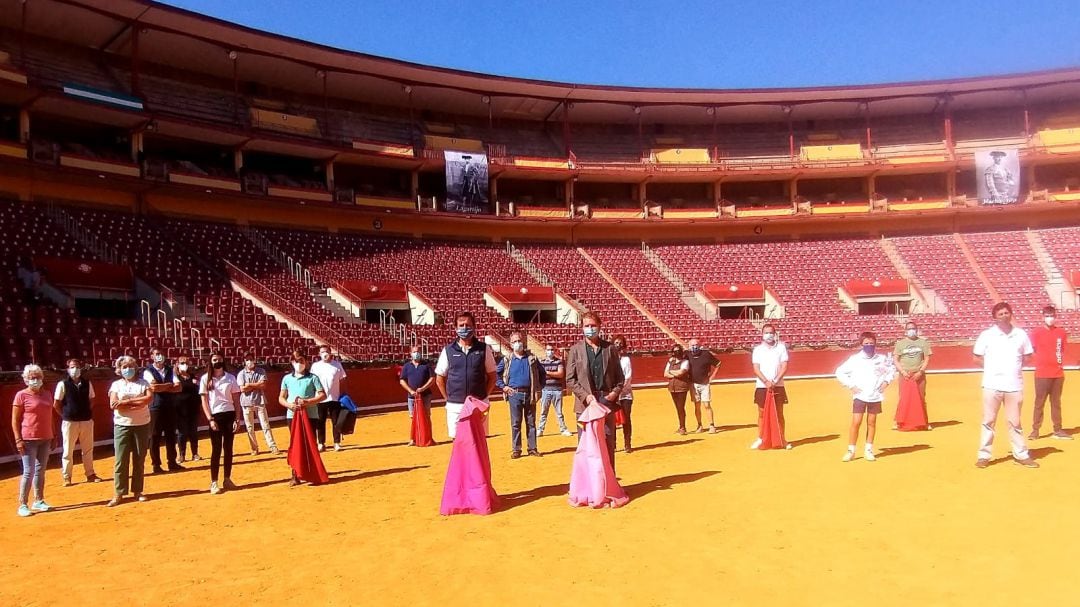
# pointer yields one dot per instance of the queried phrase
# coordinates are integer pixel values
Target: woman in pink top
(32, 425)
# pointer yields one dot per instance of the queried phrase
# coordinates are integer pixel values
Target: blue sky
(687, 43)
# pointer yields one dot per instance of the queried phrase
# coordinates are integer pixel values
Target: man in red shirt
(1049, 343)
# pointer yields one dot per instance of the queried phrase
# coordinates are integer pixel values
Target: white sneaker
(337, 447)
(214, 489)
(322, 447)
(869, 455)
(755, 444)
(788, 446)
(567, 433)
(847, 456)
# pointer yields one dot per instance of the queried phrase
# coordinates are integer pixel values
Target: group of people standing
(162, 404)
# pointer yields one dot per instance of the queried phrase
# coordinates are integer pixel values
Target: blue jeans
(522, 405)
(34, 460)
(549, 397)
(424, 398)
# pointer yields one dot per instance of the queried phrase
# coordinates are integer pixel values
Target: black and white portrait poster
(998, 176)
(466, 182)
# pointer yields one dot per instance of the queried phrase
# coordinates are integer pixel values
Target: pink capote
(592, 479)
(468, 489)
(911, 410)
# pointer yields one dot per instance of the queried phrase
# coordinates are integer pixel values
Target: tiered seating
(574, 276)
(1009, 263)
(1063, 245)
(44, 333)
(940, 265)
(804, 276)
(452, 276)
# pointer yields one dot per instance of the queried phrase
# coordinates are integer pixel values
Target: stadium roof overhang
(185, 40)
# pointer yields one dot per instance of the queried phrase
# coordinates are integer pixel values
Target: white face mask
(183, 367)
(769, 337)
(74, 372)
(297, 367)
(550, 353)
(34, 383)
(1049, 320)
(517, 346)
(158, 358)
(912, 333)
(325, 356)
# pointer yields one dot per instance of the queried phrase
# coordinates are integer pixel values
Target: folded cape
(592, 478)
(468, 489)
(304, 456)
(769, 431)
(911, 410)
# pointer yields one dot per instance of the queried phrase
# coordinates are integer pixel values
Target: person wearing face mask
(330, 373)
(129, 399)
(300, 394)
(32, 425)
(520, 377)
(188, 408)
(866, 373)
(770, 361)
(466, 367)
(551, 395)
(911, 355)
(1048, 342)
(73, 402)
(252, 380)
(417, 378)
(220, 396)
(703, 368)
(1003, 349)
(677, 372)
(164, 386)
(594, 375)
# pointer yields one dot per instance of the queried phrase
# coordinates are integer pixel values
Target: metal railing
(345, 346)
(88, 239)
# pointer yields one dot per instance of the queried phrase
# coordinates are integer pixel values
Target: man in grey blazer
(593, 374)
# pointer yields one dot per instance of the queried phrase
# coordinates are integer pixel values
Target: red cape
(304, 456)
(421, 425)
(911, 410)
(769, 431)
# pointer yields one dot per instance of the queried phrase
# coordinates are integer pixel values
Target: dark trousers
(1048, 386)
(221, 444)
(187, 426)
(522, 405)
(627, 426)
(679, 398)
(163, 424)
(327, 411)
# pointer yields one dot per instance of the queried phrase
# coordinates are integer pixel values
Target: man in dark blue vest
(73, 401)
(163, 384)
(466, 368)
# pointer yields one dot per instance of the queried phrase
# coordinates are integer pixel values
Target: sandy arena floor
(709, 519)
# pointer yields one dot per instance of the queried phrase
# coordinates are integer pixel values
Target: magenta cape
(592, 479)
(468, 487)
(303, 453)
(769, 431)
(911, 410)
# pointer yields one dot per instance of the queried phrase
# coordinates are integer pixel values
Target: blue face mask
(128, 372)
(415, 355)
(590, 332)
(869, 349)
(464, 332)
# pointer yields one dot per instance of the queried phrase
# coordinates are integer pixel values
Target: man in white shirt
(770, 360)
(1003, 349)
(866, 373)
(330, 373)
